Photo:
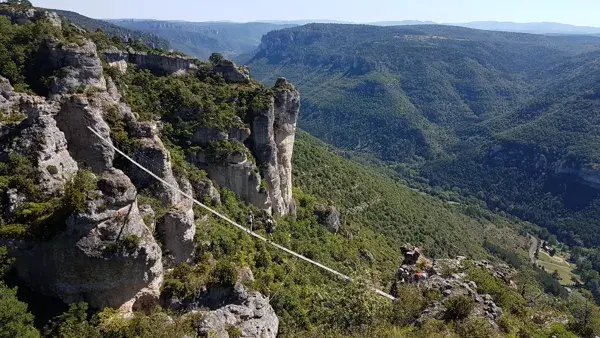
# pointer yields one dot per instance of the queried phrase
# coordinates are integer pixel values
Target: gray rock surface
(250, 313)
(241, 178)
(231, 72)
(287, 108)
(177, 231)
(585, 174)
(41, 139)
(204, 135)
(273, 130)
(152, 154)
(328, 216)
(77, 265)
(77, 113)
(239, 133)
(79, 66)
(204, 189)
(157, 63)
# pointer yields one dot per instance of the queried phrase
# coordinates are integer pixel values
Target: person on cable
(249, 221)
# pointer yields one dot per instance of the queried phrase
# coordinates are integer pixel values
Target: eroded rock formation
(89, 262)
(157, 63)
(273, 130)
(106, 250)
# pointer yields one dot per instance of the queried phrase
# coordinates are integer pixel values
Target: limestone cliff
(92, 242)
(75, 264)
(157, 63)
(273, 132)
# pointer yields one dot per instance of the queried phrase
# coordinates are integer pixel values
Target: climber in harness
(249, 221)
(420, 277)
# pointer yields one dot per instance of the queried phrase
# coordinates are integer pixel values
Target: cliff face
(160, 64)
(273, 131)
(90, 240)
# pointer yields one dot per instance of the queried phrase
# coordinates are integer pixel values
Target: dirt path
(532, 248)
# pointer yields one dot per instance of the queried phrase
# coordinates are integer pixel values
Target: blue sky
(576, 12)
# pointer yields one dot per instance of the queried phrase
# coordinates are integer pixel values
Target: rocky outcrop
(247, 313)
(157, 63)
(106, 256)
(177, 231)
(329, 217)
(273, 130)
(205, 190)
(239, 175)
(77, 113)
(22, 16)
(585, 174)
(38, 138)
(287, 108)
(250, 315)
(448, 276)
(541, 164)
(79, 67)
(231, 72)
(205, 135)
(177, 228)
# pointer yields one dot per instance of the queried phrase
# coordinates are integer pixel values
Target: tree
(72, 324)
(15, 320)
(216, 58)
(19, 2)
(458, 307)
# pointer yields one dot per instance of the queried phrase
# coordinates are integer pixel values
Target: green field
(560, 264)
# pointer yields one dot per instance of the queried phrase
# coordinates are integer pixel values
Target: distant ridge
(532, 27)
(151, 40)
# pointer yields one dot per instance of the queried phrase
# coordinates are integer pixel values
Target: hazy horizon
(576, 12)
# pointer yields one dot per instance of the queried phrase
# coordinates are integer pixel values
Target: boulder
(328, 216)
(177, 231)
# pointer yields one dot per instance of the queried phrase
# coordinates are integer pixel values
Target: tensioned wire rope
(240, 227)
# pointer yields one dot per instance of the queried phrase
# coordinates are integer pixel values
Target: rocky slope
(81, 234)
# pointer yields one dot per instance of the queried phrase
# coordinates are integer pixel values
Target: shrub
(13, 231)
(233, 331)
(76, 191)
(458, 308)
(216, 58)
(477, 327)
(72, 324)
(52, 169)
(408, 304)
(225, 274)
(131, 242)
(15, 321)
(127, 243)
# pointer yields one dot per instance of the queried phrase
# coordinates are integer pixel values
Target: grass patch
(559, 264)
